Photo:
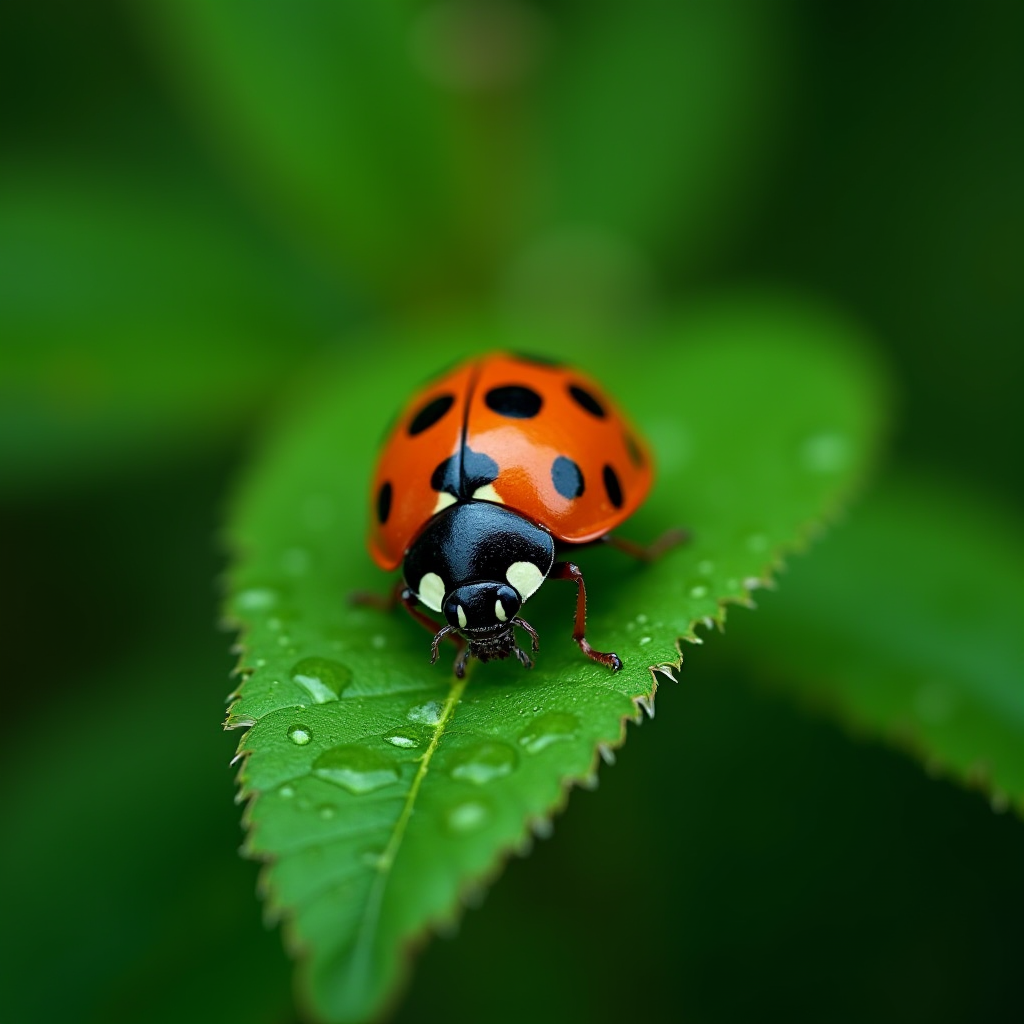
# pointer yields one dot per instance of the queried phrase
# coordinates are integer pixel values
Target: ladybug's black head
(476, 563)
(482, 608)
(484, 614)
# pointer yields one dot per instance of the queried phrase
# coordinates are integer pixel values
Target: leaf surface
(328, 120)
(135, 319)
(908, 625)
(381, 789)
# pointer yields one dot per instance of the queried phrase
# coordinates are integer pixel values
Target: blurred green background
(196, 199)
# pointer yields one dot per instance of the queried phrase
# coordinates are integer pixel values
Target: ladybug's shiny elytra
(488, 471)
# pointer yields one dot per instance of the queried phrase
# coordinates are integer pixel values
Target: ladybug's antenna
(438, 637)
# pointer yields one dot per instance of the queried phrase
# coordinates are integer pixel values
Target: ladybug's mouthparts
(491, 644)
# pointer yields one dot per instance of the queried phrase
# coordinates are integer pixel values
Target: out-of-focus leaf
(655, 122)
(381, 789)
(118, 867)
(326, 115)
(134, 319)
(908, 625)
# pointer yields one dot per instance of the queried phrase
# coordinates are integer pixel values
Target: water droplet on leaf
(468, 816)
(825, 453)
(299, 735)
(355, 768)
(404, 742)
(547, 729)
(483, 762)
(323, 679)
(426, 714)
(256, 599)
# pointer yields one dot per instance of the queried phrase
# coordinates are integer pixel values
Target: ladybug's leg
(379, 602)
(408, 599)
(400, 592)
(523, 624)
(568, 571)
(460, 660)
(653, 551)
(438, 637)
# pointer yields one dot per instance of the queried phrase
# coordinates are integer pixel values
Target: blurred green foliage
(194, 199)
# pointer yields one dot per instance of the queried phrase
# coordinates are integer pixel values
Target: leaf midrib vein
(371, 916)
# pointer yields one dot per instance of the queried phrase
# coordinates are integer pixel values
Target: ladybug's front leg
(569, 571)
(400, 592)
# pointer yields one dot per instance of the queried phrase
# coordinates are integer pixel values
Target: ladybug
(488, 472)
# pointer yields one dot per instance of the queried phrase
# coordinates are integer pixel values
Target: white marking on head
(461, 612)
(525, 577)
(488, 493)
(431, 591)
(499, 610)
(444, 499)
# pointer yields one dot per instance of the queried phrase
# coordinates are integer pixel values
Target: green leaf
(907, 625)
(134, 317)
(382, 791)
(655, 127)
(326, 118)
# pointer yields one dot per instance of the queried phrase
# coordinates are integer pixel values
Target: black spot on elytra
(586, 400)
(515, 401)
(635, 455)
(384, 502)
(430, 413)
(567, 477)
(462, 473)
(612, 486)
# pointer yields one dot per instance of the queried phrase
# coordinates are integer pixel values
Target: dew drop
(378, 642)
(483, 762)
(355, 768)
(256, 599)
(323, 679)
(403, 742)
(825, 453)
(547, 729)
(644, 640)
(699, 591)
(327, 811)
(300, 735)
(286, 792)
(641, 619)
(468, 816)
(426, 714)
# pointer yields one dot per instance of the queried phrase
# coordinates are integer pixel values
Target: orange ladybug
(489, 471)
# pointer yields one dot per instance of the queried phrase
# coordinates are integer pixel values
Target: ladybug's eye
(481, 606)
